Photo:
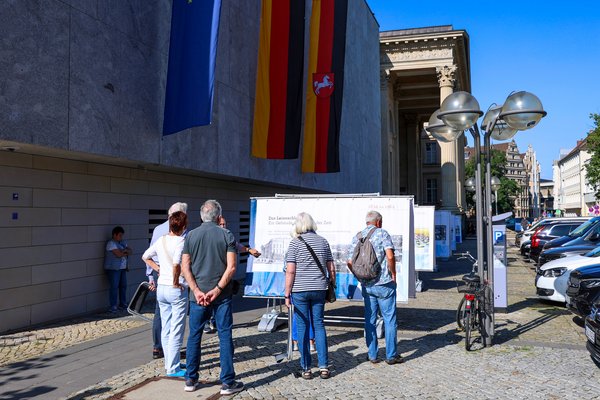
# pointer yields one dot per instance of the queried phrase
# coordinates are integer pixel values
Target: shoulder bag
(330, 293)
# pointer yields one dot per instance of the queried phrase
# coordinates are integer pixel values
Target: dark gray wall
(88, 77)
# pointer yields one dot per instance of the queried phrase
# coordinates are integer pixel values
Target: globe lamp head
(460, 111)
(522, 110)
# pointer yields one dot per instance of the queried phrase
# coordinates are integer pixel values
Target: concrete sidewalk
(539, 353)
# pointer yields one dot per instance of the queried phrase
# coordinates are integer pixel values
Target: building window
(431, 153)
(431, 191)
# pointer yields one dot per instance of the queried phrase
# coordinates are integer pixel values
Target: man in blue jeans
(380, 293)
(208, 265)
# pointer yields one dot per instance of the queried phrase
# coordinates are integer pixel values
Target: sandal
(307, 374)
(324, 374)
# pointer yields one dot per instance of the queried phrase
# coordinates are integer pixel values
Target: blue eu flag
(191, 73)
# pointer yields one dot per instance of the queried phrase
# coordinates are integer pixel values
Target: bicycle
(460, 311)
(470, 311)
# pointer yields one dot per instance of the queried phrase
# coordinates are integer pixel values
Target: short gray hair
(304, 223)
(373, 217)
(178, 207)
(210, 211)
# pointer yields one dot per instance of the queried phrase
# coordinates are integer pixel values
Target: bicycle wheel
(461, 313)
(468, 329)
(481, 312)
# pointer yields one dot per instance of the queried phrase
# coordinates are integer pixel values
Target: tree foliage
(508, 187)
(593, 165)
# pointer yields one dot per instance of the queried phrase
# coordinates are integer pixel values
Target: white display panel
(338, 219)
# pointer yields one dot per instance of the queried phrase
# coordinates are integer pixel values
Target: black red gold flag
(278, 103)
(327, 51)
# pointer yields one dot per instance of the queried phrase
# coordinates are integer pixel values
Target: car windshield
(593, 253)
(534, 225)
(583, 228)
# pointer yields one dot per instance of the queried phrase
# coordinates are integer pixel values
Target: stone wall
(81, 103)
(89, 77)
(59, 213)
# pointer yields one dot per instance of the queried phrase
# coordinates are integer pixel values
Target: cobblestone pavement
(24, 345)
(538, 353)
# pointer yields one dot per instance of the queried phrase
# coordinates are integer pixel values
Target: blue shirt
(381, 241)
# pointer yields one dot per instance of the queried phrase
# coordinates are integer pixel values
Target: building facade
(80, 125)
(516, 171)
(573, 194)
(419, 69)
(547, 196)
(532, 166)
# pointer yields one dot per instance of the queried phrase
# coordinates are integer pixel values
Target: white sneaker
(233, 388)
(190, 385)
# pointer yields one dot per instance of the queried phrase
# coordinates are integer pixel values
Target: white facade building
(573, 194)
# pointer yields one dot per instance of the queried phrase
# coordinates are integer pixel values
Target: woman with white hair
(308, 261)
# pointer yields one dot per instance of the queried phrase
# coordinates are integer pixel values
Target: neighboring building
(419, 68)
(573, 194)
(546, 196)
(81, 120)
(533, 171)
(515, 170)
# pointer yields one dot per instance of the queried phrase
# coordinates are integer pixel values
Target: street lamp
(495, 182)
(459, 112)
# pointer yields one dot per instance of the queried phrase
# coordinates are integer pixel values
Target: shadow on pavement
(26, 394)
(33, 364)
(504, 334)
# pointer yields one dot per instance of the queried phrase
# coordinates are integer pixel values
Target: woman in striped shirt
(305, 286)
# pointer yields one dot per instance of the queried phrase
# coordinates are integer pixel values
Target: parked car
(549, 232)
(512, 223)
(525, 239)
(581, 231)
(583, 287)
(592, 331)
(580, 245)
(551, 280)
(561, 252)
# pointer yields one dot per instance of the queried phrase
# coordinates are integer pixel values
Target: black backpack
(365, 265)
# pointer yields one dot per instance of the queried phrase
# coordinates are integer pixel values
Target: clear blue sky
(549, 48)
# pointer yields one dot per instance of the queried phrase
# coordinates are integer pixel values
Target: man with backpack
(372, 261)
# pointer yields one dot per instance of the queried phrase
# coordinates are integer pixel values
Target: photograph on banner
(442, 233)
(424, 239)
(338, 220)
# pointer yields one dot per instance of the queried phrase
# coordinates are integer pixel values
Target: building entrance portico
(419, 69)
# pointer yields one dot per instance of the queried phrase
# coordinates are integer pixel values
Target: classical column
(386, 89)
(450, 163)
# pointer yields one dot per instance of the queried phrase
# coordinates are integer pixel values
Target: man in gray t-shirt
(208, 265)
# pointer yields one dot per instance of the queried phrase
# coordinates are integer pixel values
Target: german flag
(278, 102)
(325, 89)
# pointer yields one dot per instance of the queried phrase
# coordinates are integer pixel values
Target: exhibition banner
(443, 241)
(339, 219)
(424, 238)
(458, 228)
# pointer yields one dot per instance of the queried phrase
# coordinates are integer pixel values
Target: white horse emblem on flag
(323, 84)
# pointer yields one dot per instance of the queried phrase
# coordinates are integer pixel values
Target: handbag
(330, 296)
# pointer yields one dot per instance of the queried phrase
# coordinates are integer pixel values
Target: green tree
(593, 165)
(507, 187)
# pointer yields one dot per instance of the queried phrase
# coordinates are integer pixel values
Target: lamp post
(495, 182)
(459, 112)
